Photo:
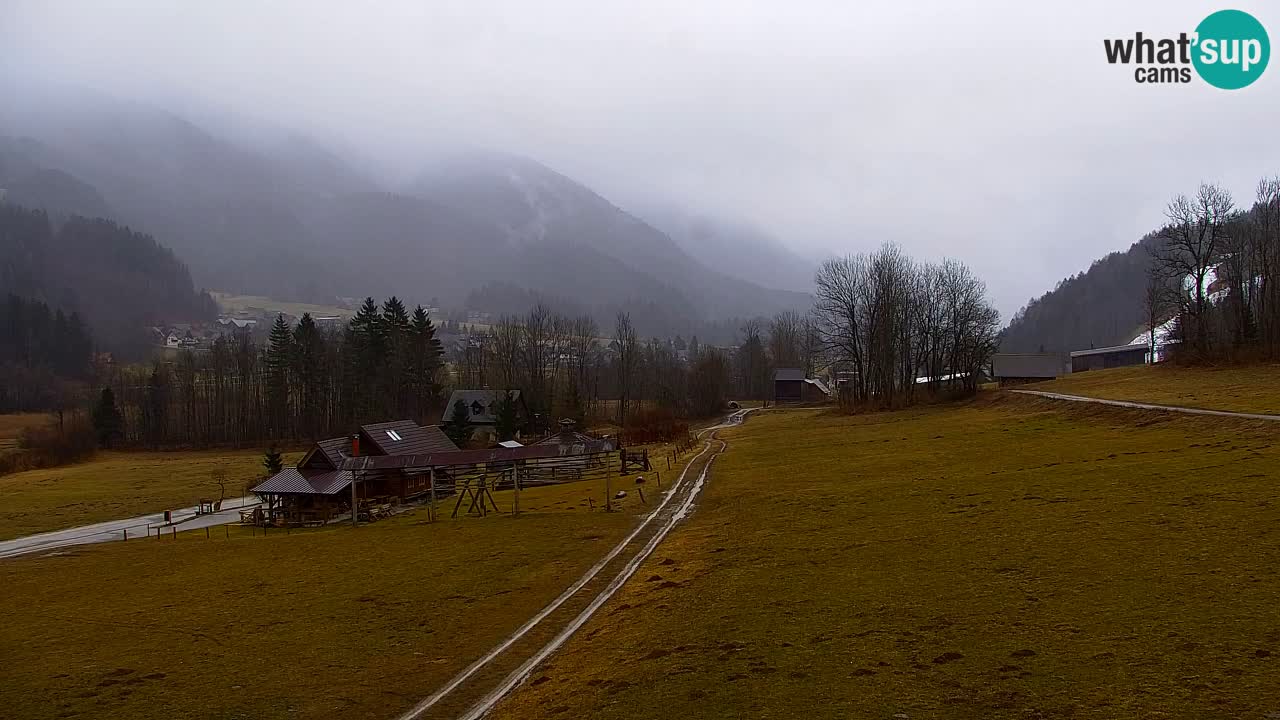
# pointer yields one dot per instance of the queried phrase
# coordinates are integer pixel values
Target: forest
(1208, 237)
(1215, 270)
(120, 282)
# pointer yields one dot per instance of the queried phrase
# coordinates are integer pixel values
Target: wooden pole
(431, 478)
(515, 480)
(126, 534)
(608, 493)
(355, 507)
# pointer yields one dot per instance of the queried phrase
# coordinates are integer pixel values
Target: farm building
(791, 386)
(1109, 357)
(317, 488)
(1013, 368)
(482, 406)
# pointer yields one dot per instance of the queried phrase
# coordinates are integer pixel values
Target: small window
(394, 435)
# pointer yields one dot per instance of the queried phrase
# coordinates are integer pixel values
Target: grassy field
(1008, 558)
(12, 425)
(1244, 388)
(232, 303)
(321, 623)
(117, 485)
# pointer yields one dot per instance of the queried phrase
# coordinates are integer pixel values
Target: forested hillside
(1099, 307)
(120, 281)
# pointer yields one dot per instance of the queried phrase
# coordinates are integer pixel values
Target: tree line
(886, 320)
(1215, 270)
(43, 353)
(305, 383)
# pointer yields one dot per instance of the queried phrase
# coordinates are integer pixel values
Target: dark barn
(791, 386)
(1109, 357)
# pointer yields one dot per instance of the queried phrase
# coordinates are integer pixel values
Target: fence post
(206, 533)
(515, 480)
(431, 478)
(175, 532)
(126, 534)
(608, 493)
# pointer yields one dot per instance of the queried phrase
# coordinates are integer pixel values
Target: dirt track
(479, 687)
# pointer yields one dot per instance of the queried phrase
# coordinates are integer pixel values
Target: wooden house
(317, 488)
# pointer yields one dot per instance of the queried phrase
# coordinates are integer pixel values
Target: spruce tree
(505, 420)
(424, 362)
(308, 371)
(458, 428)
(396, 329)
(279, 358)
(364, 353)
(272, 460)
(107, 421)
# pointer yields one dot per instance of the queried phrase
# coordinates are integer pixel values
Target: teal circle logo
(1232, 49)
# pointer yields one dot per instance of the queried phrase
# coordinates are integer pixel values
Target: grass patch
(332, 622)
(232, 303)
(1238, 388)
(12, 425)
(1006, 558)
(117, 485)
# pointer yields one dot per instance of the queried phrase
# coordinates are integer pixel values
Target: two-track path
(473, 692)
(1147, 406)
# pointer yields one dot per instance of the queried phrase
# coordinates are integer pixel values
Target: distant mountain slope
(1096, 308)
(119, 281)
(546, 215)
(734, 249)
(289, 218)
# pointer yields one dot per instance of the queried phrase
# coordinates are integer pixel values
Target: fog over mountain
(704, 155)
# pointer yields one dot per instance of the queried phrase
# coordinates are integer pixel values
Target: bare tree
(786, 338)
(1192, 243)
(624, 335)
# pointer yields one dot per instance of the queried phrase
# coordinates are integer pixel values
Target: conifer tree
(279, 360)
(272, 460)
(106, 418)
(458, 428)
(505, 420)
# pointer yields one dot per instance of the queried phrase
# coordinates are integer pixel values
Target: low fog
(999, 135)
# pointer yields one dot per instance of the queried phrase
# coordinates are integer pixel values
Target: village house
(318, 489)
(482, 409)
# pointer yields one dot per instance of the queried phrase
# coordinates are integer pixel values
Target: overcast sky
(996, 135)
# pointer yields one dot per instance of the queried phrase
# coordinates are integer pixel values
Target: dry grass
(1007, 558)
(232, 303)
(314, 624)
(1240, 388)
(12, 425)
(117, 485)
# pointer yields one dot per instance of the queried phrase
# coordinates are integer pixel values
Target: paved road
(1148, 406)
(138, 527)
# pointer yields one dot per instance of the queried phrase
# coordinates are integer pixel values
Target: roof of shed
(291, 482)
(1139, 347)
(788, 374)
